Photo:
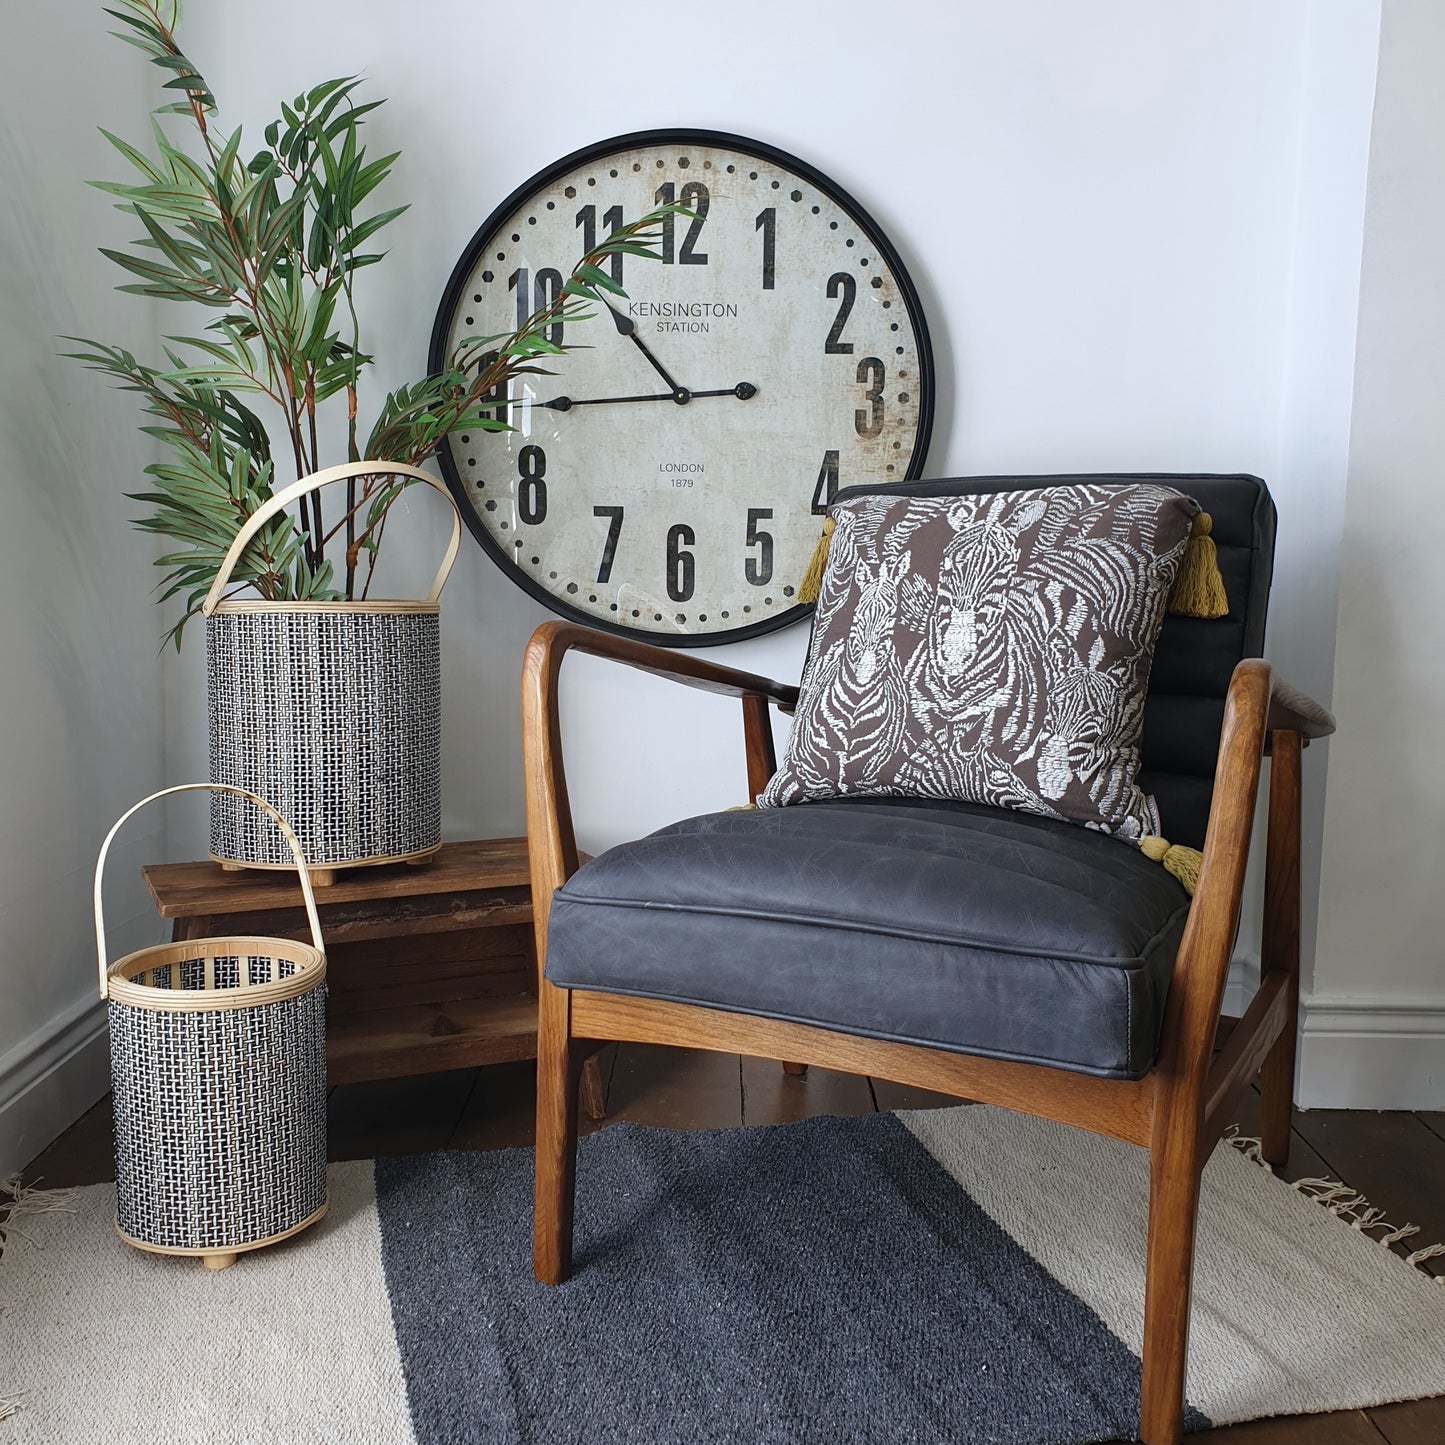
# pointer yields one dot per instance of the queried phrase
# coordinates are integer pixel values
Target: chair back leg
(558, 1078)
(1280, 941)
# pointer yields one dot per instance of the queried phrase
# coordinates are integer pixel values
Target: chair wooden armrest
(1263, 714)
(1291, 710)
(552, 842)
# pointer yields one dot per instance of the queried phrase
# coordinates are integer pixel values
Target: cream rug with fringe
(960, 1274)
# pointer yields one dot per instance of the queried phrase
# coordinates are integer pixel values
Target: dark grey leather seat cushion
(949, 924)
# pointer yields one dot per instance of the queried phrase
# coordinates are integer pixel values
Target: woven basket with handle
(218, 1074)
(329, 710)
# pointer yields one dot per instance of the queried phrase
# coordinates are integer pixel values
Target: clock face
(670, 477)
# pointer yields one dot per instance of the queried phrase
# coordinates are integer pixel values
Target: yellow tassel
(1183, 863)
(1199, 589)
(812, 582)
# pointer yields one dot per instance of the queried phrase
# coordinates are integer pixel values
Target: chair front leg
(1174, 1175)
(558, 1076)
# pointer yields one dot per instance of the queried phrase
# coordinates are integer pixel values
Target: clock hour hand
(628, 328)
(743, 390)
(566, 403)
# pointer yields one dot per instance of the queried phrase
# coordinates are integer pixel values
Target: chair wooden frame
(1177, 1111)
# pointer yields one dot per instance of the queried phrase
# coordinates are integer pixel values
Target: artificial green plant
(272, 245)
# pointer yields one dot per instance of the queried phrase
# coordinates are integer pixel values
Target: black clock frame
(438, 357)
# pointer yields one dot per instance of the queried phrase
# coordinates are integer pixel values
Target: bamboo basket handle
(287, 495)
(312, 917)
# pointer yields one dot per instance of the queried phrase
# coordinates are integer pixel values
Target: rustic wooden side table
(428, 967)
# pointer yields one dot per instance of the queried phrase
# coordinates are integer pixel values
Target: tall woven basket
(330, 710)
(218, 1071)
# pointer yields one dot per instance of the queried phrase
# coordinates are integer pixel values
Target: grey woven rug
(957, 1275)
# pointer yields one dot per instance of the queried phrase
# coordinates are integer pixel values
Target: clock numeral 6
(871, 373)
(681, 569)
(826, 487)
(531, 489)
(696, 198)
(842, 285)
(609, 547)
(759, 569)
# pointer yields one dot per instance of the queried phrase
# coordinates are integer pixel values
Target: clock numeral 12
(547, 292)
(871, 373)
(767, 223)
(681, 569)
(841, 284)
(531, 488)
(612, 219)
(609, 547)
(696, 198)
(827, 485)
(759, 569)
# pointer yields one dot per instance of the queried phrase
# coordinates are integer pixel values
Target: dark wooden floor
(1397, 1160)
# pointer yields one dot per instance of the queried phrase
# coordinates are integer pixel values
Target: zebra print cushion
(991, 649)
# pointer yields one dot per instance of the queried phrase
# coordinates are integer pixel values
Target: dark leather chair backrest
(1195, 657)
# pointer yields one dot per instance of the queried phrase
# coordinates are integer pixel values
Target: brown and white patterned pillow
(992, 648)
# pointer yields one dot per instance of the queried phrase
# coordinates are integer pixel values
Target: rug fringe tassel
(1347, 1204)
(19, 1201)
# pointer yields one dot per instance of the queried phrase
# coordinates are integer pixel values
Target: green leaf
(139, 161)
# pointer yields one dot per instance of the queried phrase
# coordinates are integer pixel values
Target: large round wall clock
(670, 478)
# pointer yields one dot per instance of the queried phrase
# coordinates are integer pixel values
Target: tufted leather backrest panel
(1195, 656)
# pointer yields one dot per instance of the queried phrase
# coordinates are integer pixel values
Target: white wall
(1375, 1029)
(80, 714)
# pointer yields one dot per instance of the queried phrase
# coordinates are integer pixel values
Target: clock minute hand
(743, 390)
(628, 328)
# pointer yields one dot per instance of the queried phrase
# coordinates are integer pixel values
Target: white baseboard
(1372, 1052)
(47, 1081)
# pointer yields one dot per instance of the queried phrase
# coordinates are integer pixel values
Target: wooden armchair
(1176, 1108)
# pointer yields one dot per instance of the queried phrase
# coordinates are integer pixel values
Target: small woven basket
(218, 1070)
(330, 710)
